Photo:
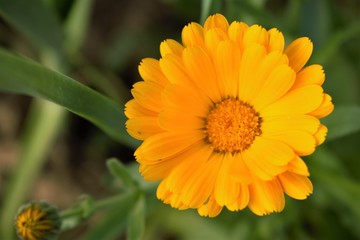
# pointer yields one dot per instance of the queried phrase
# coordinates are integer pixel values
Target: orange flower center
(232, 125)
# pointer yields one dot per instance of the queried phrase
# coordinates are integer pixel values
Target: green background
(83, 56)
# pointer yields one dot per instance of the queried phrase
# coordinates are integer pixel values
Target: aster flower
(37, 221)
(226, 116)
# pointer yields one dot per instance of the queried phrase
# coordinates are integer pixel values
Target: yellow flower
(225, 117)
(37, 221)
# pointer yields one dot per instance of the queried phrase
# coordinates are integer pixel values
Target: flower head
(37, 221)
(226, 116)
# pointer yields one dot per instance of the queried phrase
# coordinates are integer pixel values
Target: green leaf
(118, 170)
(345, 191)
(335, 189)
(27, 77)
(35, 20)
(342, 188)
(343, 121)
(136, 220)
(77, 24)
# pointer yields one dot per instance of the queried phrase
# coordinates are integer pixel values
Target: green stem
(101, 204)
(43, 124)
(76, 25)
(205, 9)
(73, 216)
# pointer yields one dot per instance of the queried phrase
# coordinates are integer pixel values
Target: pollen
(232, 126)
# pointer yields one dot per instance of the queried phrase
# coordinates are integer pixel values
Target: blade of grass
(42, 126)
(76, 25)
(205, 10)
(27, 77)
(40, 25)
(35, 20)
(342, 189)
(314, 21)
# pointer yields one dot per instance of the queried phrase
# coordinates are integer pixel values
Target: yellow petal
(296, 186)
(175, 202)
(227, 62)
(298, 166)
(201, 70)
(161, 169)
(162, 191)
(310, 75)
(238, 169)
(201, 182)
(173, 68)
(157, 171)
(274, 87)
(134, 109)
(167, 144)
(169, 197)
(150, 71)
(210, 209)
(274, 124)
(256, 35)
(266, 197)
(178, 120)
(189, 162)
(320, 134)
(193, 34)
(267, 158)
(257, 168)
(261, 74)
(212, 39)
(187, 100)
(226, 189)
(276, 41)
(325, 108)
(299, 52)
(237, 31)
(143, 127)
(297, 101)
(301, 142)
(148, 94)
(249, 64)
(216, 21)
(171, 46)
(242, 199)
(274, 152)
(30, 234)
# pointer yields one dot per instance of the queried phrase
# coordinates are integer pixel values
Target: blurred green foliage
(103, 42)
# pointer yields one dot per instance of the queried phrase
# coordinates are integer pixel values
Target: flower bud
(37, 221)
